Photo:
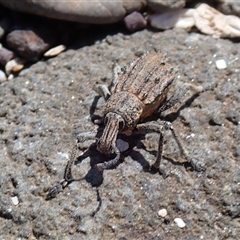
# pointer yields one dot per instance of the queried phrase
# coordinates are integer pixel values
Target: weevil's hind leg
(111, 163)
(197, 167)
(179, 93)
(157, 164)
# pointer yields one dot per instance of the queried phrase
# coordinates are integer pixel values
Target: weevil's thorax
(128, 106)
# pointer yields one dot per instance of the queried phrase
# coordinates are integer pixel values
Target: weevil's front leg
(111, 163)
(68, 178)
(82, 137)
(54, 191)
(195, 165)
(179, 93)
(154, 127)
(68, 170)
(102, 90)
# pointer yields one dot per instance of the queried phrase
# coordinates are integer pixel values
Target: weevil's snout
(104, 147)
(113, 124)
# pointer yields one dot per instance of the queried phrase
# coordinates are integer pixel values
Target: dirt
(50, 102)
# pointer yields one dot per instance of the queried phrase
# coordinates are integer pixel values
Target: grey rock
(5, 55)
(163, 5)
(31, 42)
(135, 21)
(97, 12)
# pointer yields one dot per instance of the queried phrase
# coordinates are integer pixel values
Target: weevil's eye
(121, 125)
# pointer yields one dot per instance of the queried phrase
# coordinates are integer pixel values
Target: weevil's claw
(54, 191)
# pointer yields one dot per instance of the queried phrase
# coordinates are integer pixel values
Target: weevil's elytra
(139, 90)
(148, 78)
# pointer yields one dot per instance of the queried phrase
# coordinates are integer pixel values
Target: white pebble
(15, 200)
(221, 64)
(122, 145)
(54, 51)
(3, 77)
(10, 77)
(180, 222)
(14, 65)
(162, 212)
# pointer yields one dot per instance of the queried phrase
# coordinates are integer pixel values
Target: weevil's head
(114, 123)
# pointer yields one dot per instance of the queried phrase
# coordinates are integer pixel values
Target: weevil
(138, 91)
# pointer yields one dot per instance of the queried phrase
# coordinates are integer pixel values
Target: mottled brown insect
(138, 91)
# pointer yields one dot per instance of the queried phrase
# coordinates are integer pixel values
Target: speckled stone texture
(49, 103)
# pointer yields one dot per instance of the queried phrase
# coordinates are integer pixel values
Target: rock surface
(97, 12)
(49, 103)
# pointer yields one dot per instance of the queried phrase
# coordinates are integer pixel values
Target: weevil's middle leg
(154, 127)
(82, 137)
(159, 128)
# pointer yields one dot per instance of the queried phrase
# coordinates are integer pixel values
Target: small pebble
(30, 43)
(162, 212)
(180, 222)
(221, 64)
(14, 65)
(15, 200)
(135, 21)
(55, 51)
(3, 77)
(10, 77)
(122, 145)
(5, 55)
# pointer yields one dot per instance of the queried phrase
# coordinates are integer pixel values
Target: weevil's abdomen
(127, 105)
(148, 78)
